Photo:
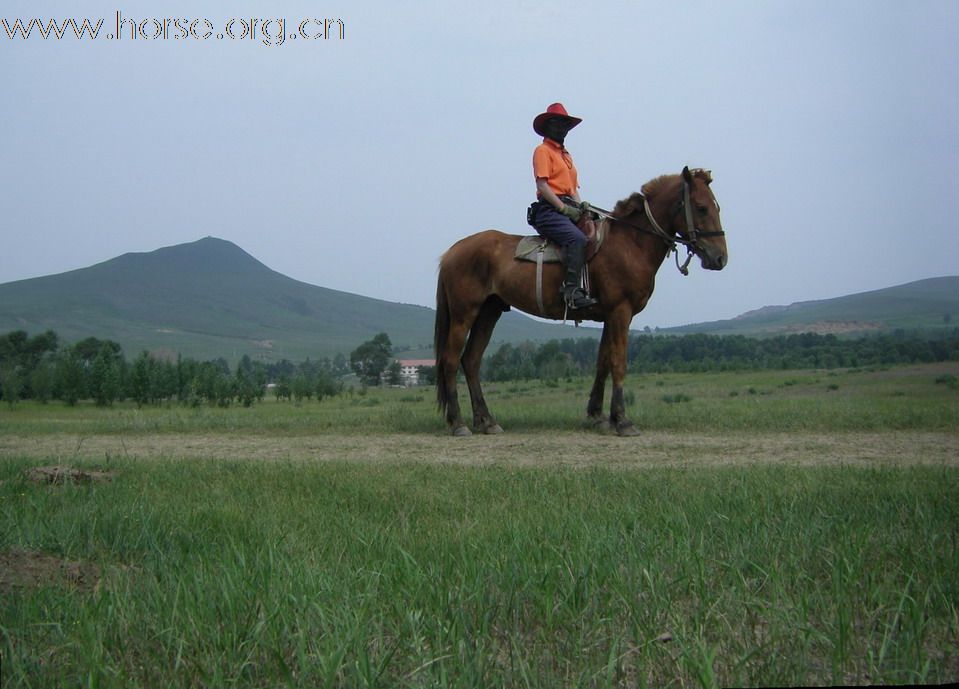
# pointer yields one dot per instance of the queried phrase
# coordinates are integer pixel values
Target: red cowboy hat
(554, 110)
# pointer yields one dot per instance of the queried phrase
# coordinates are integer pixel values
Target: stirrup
(577, 298)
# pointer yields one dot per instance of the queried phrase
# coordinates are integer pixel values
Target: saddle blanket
(529, 248)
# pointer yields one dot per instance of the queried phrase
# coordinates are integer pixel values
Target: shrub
(676, 399)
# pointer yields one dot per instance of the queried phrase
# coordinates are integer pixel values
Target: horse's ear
(687, 175)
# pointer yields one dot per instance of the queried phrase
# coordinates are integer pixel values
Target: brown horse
(479, 278)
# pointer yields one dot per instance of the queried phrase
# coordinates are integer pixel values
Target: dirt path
(558, 449)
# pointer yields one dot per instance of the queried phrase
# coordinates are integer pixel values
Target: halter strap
(689, 242)
(657, 231)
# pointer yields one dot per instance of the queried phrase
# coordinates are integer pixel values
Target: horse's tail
(441, 332)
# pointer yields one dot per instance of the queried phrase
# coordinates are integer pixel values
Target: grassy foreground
(253, 574)
(422, 574)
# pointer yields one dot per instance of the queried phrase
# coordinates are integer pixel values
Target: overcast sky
(353, 163)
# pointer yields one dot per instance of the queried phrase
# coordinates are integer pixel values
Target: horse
(479, 279)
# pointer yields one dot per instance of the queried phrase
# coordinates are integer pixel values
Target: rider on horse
(558, 207)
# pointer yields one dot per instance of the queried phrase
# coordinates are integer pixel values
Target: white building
(410, 370)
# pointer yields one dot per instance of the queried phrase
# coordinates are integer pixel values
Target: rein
(657, 231)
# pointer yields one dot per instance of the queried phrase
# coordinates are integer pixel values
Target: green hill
(210, 298)
(925, 304)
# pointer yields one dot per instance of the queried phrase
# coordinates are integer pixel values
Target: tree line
(42, 369)
(701, 352)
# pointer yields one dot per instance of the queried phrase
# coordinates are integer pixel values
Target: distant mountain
(926, 304)
(210, 298)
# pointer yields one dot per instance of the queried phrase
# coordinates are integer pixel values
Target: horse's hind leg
(449, 360)
(479, 338)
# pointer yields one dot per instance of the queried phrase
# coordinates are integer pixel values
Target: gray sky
(830, 128)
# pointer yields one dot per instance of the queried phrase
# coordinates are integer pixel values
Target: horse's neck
(650, 246)
(662, 209)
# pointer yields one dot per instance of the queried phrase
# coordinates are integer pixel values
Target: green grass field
(780, 529)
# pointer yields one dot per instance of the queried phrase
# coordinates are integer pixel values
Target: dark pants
(553, 225)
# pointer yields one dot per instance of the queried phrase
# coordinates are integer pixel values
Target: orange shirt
(552, 161)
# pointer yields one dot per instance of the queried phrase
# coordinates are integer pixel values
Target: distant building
(410, 370)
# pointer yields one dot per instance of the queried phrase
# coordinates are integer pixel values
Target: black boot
(574, 256)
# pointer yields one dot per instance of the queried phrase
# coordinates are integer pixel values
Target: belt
(568, 200)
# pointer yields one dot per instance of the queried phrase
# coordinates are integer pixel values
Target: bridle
(694, 234)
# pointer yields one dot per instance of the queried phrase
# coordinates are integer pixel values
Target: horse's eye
(701, 210)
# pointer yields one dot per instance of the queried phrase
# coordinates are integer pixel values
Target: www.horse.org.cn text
(273, 31)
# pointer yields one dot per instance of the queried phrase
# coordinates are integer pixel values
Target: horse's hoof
(495, 429)
(626, 430)
(462, 432)
(599, 423)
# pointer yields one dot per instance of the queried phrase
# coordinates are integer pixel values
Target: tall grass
(419, 573)
(409, 575)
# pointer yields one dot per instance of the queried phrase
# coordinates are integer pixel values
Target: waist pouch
(535, 206)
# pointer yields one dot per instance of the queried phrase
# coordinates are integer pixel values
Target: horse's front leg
(618, 327)
(594, 409)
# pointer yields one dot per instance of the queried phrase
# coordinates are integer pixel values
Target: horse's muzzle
(710, 261)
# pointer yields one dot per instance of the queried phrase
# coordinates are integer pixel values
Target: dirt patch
(651, 449)
(60, 475)
(21, 569)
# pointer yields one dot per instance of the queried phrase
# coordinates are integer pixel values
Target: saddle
(539, 249)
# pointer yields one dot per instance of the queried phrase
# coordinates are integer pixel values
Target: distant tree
(327, 385)
(550, 362)
(36, 347)
(164, 382)
(247, 382)
(281, 369)
(105, 377)
(225, 390)
(11, 383)
(427, 375)
(12, 345)
(20, 355)
(513, 363)
(187, 372)
(371, 358)
(394, 373)
(304, 385)
(70, 385)
(140, 379)
(43, 379)
(90, 348)
(283, 389)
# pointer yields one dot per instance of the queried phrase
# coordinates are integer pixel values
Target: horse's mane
(634, 202)
(654, 186)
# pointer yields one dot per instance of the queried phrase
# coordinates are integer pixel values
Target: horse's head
(699, 221)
